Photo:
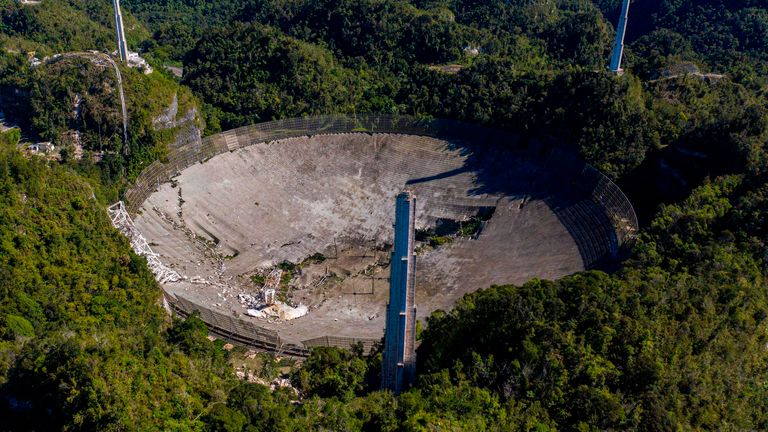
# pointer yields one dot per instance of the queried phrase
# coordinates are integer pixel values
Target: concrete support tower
(618, 48)
(398, 368)
(122, 46)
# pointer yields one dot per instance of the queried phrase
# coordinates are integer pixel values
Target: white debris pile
(255, 313)
(255, 307)
(264, 304)
(289, 313)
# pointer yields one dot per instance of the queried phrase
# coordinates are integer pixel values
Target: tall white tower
(122, 46)
(618, 48)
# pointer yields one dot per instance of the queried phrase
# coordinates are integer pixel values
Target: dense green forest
(675, 339)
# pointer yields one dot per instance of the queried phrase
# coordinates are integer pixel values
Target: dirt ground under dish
(241, 213)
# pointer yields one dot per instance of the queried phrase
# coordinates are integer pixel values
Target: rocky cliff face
(186, 124)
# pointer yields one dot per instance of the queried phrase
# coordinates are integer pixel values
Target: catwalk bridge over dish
(284, 190)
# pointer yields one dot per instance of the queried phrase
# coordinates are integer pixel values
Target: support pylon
(398, 368)
(122, 45)
(618, 48)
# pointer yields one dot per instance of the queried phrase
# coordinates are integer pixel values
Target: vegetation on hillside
(84, 344)
(74, 102)
(63, 25)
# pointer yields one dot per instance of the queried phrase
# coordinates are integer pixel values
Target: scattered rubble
(249, 301)
(257, 308)
(123, 222)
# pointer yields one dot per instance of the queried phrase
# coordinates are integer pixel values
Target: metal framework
(271, 284)
(123, 222)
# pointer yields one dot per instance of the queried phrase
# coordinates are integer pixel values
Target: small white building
(134, 60)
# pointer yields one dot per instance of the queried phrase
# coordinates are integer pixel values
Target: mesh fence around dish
(235, 329)
(342, 342)
(601, 221)
(195, 152)
(605, 191)
(609, 207)
(249, 334)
